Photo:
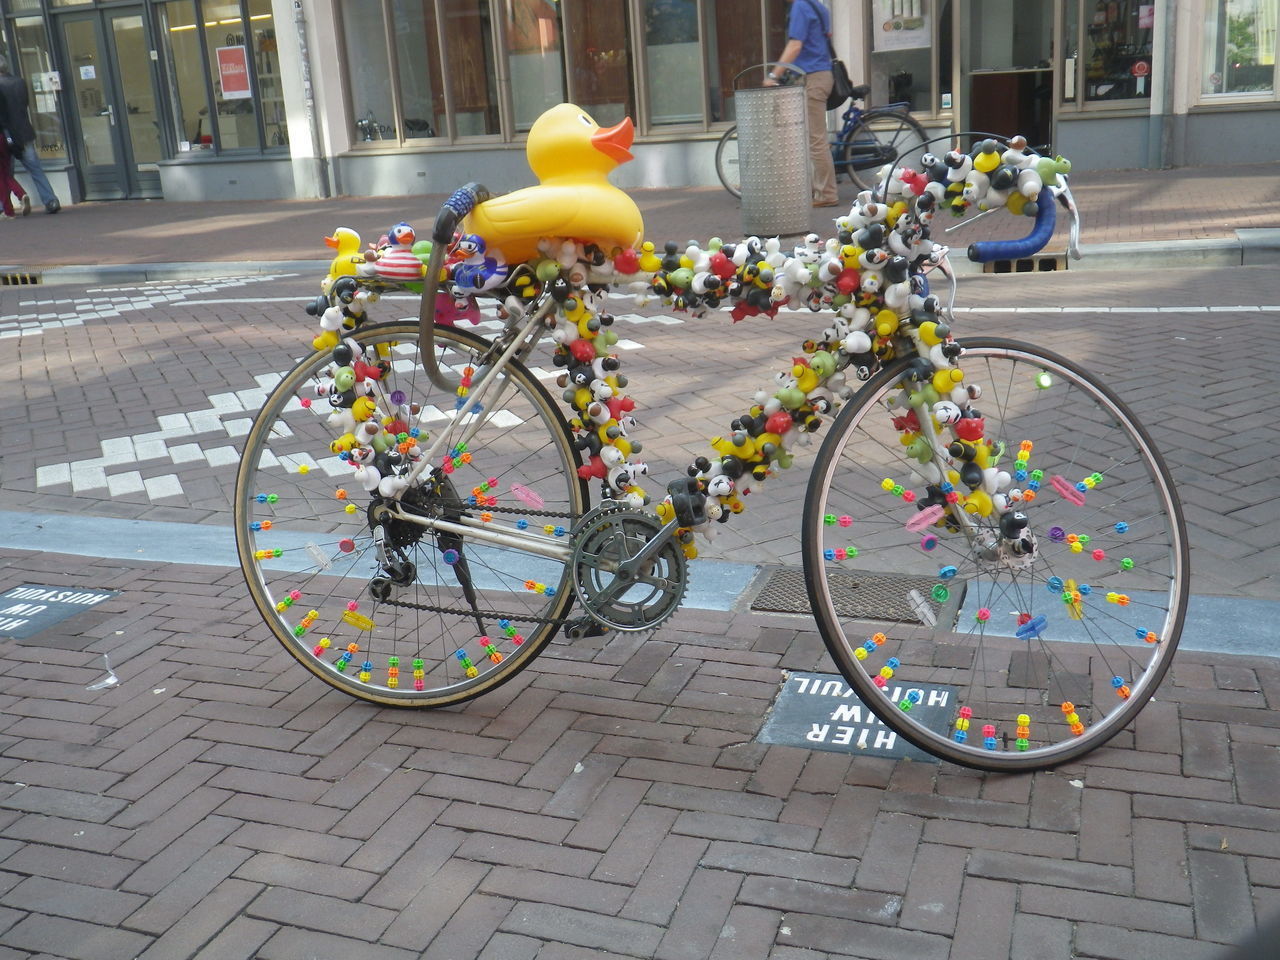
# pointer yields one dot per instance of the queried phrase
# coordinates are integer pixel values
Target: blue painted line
(714, 585)
(1235, 625)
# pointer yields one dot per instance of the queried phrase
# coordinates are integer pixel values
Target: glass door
(115, 106)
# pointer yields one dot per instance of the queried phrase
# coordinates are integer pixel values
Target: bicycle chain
(489, 614)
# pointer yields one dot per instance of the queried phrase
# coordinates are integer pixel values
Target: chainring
(625, 599)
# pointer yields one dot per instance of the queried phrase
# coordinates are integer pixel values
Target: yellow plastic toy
(349, 256)
(571, 155)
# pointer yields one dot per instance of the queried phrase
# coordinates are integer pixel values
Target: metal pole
(308, 96)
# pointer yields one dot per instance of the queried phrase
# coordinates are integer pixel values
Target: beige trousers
(817, 86)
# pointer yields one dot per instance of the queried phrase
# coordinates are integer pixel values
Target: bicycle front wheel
(727, 162)
(385, 609)
(878, 138)
(1009, 640)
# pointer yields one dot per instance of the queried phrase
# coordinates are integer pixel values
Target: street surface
(172, 785)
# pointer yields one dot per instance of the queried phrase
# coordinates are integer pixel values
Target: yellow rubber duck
(571, 155)
(349, 258)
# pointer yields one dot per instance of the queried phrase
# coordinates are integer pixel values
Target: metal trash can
(773, 158)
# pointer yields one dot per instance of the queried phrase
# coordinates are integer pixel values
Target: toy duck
(349, 259)
(397, 261)
(571, 155)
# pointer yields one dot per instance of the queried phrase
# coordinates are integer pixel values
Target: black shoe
(26, 204)
(53, 206)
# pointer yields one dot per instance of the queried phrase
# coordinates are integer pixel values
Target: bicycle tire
(862, 571)
(305, 537)
(727, 161)
(879, 137)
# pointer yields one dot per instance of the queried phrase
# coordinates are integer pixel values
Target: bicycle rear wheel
(388, 611)
(727, 161)
(879, 137)
(982, 648)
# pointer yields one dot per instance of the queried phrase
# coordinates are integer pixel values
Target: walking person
(808, 26)
(16, 121)
(9, 185)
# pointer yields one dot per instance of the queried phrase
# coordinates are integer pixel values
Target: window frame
(1243, 99)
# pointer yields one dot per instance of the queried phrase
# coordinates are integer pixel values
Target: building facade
(208, 99)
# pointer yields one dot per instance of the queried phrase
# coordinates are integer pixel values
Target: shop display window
(600, 77)
(1117, 49)
(1239, 52)
(31, 59)
(904, 36)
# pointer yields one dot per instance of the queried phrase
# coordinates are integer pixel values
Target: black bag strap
(826, 33)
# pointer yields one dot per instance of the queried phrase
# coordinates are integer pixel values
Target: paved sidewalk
(1177, 217)
(216, 802)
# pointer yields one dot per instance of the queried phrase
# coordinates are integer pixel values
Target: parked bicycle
(867, 140)
(995, 553)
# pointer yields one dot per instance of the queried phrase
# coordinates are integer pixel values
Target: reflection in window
(417, 48)
(600, 65)
(184, 73)
(733, 45)
(902, 41)
(534, 59)
(469, 61)
(266, 60)
(365, 39)
(235, 116)
(36, 68)
(1117, 51)
(1239, 46)
(673, 55)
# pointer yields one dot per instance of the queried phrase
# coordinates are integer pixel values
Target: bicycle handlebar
(985, 251)
(455, 209)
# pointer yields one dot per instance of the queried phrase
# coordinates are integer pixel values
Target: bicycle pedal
(584, 627)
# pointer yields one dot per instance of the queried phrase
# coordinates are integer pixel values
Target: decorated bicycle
(994, 552)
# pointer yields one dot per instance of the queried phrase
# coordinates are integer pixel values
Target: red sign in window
(233, 73)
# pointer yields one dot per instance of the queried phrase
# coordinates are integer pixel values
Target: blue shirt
(810, 22)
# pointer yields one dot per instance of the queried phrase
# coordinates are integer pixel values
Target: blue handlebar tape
(985, 251)
(462, 202)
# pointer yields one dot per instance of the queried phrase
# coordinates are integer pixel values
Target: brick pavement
(613, 800)
(218, 803)
(1186, 205)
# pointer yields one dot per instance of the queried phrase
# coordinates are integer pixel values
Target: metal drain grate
(19, 279)
(856, 594)
(1039, 263)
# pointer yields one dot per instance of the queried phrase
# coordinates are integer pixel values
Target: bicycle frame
(520, 337)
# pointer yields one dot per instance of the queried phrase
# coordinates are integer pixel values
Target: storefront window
(673, 57)
(184, 74)
(417, 46)
(31, 60)
(600, 62)
(400, 39)
(236, 118)
(734, 44)
(266, 60)
(365, 39)
(1070, 50)
(1117, 51)
(1239, 46)
(904, 34)
(535, 61)
(469, 61)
